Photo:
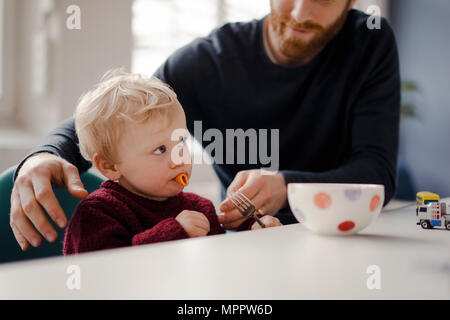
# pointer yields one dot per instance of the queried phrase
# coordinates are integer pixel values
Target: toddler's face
(149, 160)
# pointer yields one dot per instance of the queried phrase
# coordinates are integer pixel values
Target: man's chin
(296, 52)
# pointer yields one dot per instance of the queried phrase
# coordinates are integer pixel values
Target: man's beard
(298, 49)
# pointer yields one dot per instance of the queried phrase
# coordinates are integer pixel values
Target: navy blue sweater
(338, 116)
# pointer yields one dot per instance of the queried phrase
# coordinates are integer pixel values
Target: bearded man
(311, 69)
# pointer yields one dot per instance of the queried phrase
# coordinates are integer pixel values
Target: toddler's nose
(174, 165)
(177, 160)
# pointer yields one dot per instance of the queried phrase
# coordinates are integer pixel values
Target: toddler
(133, 129)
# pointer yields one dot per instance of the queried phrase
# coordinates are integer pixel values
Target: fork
(245, 206)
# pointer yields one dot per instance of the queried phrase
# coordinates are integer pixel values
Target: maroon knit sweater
(113, 217)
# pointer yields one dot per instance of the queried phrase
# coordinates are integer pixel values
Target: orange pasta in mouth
(182, 179)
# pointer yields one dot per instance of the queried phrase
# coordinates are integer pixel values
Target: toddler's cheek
(149, 183)
(155, 184)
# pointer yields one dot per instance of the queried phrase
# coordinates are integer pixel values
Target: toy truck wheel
(447, 225)
(425, 224)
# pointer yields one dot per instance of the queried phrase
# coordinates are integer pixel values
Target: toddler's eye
(160, 150)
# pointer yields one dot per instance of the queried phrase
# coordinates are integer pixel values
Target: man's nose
(301, 11)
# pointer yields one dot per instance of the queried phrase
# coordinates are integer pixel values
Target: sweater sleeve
(91, 228)
(165, 230)
(63, 142)
(374, 128)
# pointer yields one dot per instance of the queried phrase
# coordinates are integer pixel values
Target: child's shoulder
(100, 194)
(104, 195)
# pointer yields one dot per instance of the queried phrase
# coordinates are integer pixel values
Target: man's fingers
(22, 223)
(231, 219)
(238, 181)
(35, 214)
(15, 203)
(24, 244)
(226, 205)
(272, 224)
(256, 226)
(260, 201)
(268, 221)
(230, 216)
(233, 225)
(73, 182)
(46, 197)
(251, 187)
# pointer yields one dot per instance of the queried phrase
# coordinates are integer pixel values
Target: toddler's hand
(195, 223)
(269, 222)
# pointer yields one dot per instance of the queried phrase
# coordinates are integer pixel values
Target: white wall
(421, 28)
(76, 58)
(54, 65)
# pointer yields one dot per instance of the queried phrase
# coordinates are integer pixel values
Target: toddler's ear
(107, 168)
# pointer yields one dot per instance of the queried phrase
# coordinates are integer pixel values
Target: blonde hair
(119, 98)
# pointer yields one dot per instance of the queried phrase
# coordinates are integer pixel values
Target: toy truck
(431, 212)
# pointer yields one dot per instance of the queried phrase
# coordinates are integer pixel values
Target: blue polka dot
(352, 194)
(299, 215)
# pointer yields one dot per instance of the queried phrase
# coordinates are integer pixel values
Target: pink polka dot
(346, 226)
(374, 203)
(322, 200)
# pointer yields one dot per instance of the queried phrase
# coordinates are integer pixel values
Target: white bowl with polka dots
(335, 208)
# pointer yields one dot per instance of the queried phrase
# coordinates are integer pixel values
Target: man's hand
(266, 191)
(33, 188)
(195, 223)
(268, 221)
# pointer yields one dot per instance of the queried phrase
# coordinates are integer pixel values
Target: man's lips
(299, 31)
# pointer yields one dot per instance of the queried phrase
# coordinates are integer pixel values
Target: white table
(288, 262)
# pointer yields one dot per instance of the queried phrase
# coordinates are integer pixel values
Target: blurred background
(45, 67)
